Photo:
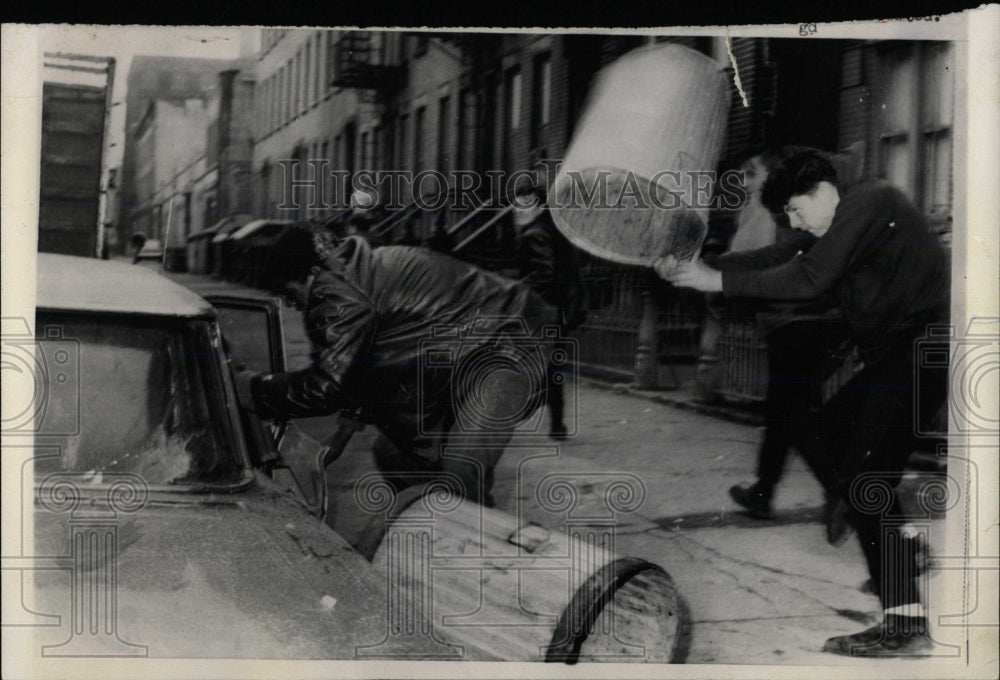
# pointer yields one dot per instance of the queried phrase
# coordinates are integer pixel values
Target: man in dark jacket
(876, 253)
(548, 263)
(444, 358)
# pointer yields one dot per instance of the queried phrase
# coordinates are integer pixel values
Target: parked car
(170, 523)
(166, 501)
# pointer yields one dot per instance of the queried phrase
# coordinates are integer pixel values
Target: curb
(724, 412)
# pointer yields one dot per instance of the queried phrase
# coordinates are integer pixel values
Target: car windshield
(143, 395)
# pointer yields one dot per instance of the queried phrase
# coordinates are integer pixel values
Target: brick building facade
(357, 100)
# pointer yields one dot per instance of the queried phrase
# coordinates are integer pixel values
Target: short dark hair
(526, 185)
(292, 257)
(768, 155)
(796, 173)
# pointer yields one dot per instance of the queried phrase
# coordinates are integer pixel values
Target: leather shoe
(752, 500)
(896, 636)
(558, 432)
(838, 528)
(869, 587)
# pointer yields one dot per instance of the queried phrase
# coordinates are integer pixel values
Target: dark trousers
(798, 359)
(471, 442)
(868, 431)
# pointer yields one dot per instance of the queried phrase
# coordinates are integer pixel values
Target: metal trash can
(655, 123)
(518, 591)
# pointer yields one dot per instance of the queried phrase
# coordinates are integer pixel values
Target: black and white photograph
(402, 352)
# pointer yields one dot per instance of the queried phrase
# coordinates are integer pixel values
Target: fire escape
(361, 62)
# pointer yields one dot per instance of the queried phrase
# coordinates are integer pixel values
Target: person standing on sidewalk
(444, 358)
(803, 340)
(548, 263)
(876, 253)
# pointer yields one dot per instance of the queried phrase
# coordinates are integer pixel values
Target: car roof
(92, 285)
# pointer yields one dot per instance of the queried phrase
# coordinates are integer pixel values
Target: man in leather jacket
(444, 358)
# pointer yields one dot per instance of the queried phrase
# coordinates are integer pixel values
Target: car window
(128, 393)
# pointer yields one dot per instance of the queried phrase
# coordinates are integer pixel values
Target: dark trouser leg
(795, 356)
(484, 427)
(880, 402)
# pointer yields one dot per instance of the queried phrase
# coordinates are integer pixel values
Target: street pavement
(757, 591)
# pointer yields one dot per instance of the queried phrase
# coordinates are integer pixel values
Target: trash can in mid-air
(637, 180)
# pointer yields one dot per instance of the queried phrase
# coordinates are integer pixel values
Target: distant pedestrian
(136, 242)
(550, 264)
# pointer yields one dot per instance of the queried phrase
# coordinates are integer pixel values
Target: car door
(253, 334)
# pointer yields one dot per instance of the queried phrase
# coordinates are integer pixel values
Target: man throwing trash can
(876, 254)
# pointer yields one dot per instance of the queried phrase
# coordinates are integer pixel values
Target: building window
(541, 98)
(285, 80)
(275, 101)
(466, 130)
(418, 139)
(376, 142)
(278, 92)
(297, 84)
(366, 160)
(937, 117)
(404, 139)
(896, 118)
(389, 143)
(914, 124)
(318, 68)
(289, 89)
(262, 111)
(307, 99)
(443, 138)
(331, 59)
(514, 98)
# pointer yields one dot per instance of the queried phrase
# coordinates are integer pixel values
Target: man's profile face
(526, 208)
(296, 294)
(813, 211)
(754, 174)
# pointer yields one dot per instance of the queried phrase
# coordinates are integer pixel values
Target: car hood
(244, 576)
